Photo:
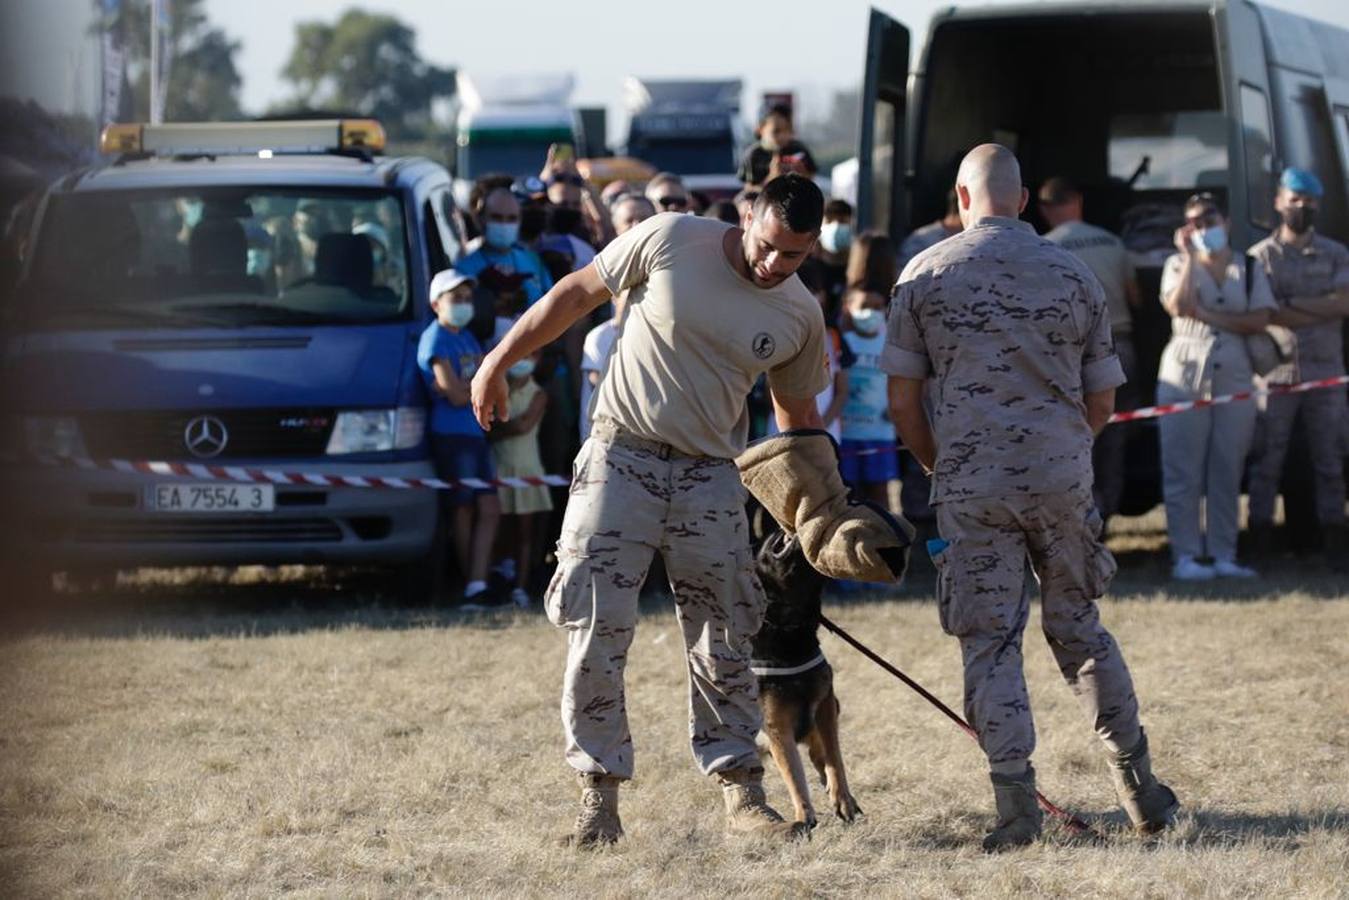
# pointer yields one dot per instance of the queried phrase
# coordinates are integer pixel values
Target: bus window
(1258, 147)
(1183, 150)
(883, 166)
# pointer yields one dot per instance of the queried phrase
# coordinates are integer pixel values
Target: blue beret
(1300, 181)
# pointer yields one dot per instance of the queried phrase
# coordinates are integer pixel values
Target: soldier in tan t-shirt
(710, 308)
(1014, 333)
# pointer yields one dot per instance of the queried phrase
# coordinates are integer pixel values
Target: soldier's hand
(490, 397)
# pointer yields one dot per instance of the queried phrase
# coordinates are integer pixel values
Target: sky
(768, 43)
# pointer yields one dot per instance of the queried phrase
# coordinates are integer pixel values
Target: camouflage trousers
(631, 498)
(1323, 415)
(982, 601)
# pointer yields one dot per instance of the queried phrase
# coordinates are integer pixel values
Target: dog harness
(769, 667)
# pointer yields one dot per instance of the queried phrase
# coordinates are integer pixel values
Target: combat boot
(747, 809)
(597, 823)
(1019, 815)
(1150, 804)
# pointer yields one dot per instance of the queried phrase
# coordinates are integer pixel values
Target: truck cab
(246, 295)
(1142, 104)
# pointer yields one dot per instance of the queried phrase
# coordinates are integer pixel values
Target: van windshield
(219, 257)
(1177, 150)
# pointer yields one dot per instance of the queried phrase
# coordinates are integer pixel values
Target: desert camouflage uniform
(631, 497)
(1014, 331)
(1315, 270)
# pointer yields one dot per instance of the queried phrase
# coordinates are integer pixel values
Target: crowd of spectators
(529, 232)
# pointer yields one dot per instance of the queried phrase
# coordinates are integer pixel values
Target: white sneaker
(521, 599)
(1226, 568)
(1187, 568)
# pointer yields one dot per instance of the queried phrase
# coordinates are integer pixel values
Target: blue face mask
(461, 314)
(1211, 240)
(523, 368)
(867, 322)
(501, 234)
(835, 237)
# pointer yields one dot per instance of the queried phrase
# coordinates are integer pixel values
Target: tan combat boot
(1150, 804)
(1019, 815)
(747, 809)
(597, 823)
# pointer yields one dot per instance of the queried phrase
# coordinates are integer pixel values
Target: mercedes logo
(205, 437)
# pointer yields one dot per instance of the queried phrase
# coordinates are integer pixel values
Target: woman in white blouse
(1212, 311)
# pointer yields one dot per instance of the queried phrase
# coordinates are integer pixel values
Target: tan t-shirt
(697, 336)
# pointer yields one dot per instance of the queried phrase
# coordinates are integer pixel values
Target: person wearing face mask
(868, 458)
(515, 451)
(832, 250)
(448, 356)
(1309, 275)
(501, 248)
(1212, 310)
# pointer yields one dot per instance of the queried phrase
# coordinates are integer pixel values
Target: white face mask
(867, 322)
(835, 237)
(521, 369)
(1210, 240)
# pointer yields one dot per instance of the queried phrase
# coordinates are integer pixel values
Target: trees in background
(203, 81)
(366, 63)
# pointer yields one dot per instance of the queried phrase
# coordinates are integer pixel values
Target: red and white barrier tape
(1166, 409)
(245, 475)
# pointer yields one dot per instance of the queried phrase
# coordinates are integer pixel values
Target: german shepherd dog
(796, 683)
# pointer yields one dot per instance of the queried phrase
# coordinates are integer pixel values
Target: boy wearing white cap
(448, 356)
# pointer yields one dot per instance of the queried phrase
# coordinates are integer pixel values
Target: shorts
(876, 466)
(459, 456)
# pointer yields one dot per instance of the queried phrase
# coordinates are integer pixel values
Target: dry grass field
(290, 739)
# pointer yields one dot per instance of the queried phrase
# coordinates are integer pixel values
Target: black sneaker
(486, 600)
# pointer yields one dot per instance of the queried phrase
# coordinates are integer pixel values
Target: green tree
(368, 64)
(203, 82)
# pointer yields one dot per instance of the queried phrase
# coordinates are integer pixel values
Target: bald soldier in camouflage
(1015, 334)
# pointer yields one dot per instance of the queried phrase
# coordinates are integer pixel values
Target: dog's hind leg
(779, 728)
(824, 743)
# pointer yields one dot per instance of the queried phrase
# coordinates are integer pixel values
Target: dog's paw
(846, 808)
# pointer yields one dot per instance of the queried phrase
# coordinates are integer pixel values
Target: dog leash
(1074, 824)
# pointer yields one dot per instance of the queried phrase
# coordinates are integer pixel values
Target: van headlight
(57, 436)
(377, 430)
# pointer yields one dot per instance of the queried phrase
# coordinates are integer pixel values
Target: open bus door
(882, 195)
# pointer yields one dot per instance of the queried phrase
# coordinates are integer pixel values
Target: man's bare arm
(910, 418)
(796, 412)
(1100, 407)
(574, 296)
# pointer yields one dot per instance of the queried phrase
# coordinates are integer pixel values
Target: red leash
(1072, 822)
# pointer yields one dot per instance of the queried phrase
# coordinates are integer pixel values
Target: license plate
(210, 498)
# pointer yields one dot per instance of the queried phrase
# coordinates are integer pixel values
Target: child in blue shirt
(867, 458)
(448, 356)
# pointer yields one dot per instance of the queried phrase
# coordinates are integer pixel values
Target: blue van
(242, 294)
